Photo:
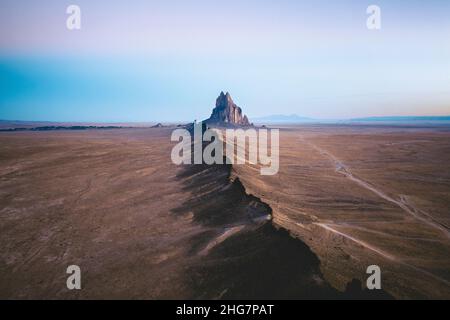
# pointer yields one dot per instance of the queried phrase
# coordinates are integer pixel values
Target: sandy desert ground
(112, 202)
(362, 195)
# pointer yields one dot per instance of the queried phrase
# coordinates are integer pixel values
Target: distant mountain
(293, 118)
(404, 118)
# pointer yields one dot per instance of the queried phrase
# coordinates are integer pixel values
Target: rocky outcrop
(226, 111)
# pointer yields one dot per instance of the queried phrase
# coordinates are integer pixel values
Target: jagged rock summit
(227, 112)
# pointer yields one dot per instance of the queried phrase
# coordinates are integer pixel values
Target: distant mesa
(404, 119)
(281, 118)
(54, 128)
(158, 125)
(227, 112)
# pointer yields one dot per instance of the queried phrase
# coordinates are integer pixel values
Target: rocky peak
(226, 111)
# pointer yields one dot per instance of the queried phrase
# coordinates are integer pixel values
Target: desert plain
(346, 196)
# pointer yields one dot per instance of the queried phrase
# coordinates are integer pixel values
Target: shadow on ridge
(259, 261)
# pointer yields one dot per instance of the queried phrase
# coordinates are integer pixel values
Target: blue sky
(168, 60)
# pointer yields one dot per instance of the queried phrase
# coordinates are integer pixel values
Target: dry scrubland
(140, 227)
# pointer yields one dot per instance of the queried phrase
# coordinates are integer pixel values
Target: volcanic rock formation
(226, 111)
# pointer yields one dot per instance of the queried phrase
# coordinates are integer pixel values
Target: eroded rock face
(226, 111)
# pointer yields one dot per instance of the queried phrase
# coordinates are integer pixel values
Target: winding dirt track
(402, 202)
(382, 253)
(361, 243)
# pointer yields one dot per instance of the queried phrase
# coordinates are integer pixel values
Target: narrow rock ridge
(239, 253)
(353, 288)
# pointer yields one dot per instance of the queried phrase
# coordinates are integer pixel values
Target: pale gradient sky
(168, 60)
